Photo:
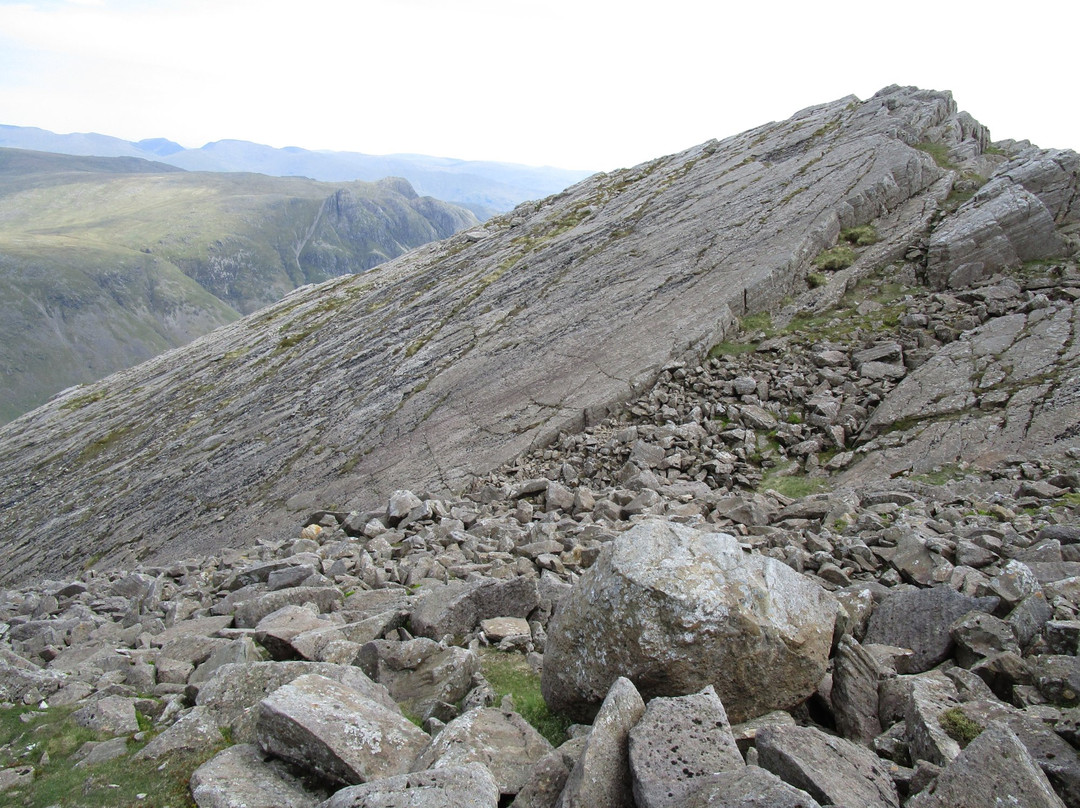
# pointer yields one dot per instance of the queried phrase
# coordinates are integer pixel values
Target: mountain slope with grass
(105, 262)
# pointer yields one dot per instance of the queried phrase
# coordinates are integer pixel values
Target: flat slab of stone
(504, 742)
(678, 741)
(832, 770)
(233, 693)
(449, 787)
(337, 731)
(749, 787)
(243, 776)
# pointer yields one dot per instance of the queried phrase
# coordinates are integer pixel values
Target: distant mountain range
(108, 261)
(484, 187)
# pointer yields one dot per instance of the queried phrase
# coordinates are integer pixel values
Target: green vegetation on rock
(28, 734)
(959, 727)
(510, 675)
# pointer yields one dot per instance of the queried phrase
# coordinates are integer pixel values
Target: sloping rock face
(437, 367)
(674, 610)
(1005, 388)
(1011, 219)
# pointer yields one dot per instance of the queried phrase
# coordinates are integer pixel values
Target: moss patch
(959, 727)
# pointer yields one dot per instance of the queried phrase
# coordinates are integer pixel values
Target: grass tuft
(510, 675)
(861, 236)
(839, 257)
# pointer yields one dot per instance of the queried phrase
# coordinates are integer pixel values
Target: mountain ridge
(108, 261)
(441, 365)
(485, 187)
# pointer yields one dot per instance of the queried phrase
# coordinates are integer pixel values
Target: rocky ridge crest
(432, 369)
(811, 438)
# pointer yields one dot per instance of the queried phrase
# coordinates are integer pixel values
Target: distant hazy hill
(107, 261)
(483, 187)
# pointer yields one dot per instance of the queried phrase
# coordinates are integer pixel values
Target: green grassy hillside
(105, 262)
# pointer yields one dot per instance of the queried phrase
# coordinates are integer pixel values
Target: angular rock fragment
(601, 775)
(920, 620)
(233, 693)
(449, 787)
(242, 776)
(337, 731)
(502, 741)
(748, 787)
(855, 692)
(993, 770)
(678, 741)
(832, 770)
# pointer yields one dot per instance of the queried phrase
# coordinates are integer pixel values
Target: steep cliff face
(430, 370)
(105, 262)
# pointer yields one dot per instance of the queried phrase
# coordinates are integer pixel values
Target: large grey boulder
(992, 771)
(503, 741)
(451, 787)
(832, 770)
(601, 777)
(337, 731)
(674, 610)
(678, 741)
(243, 776)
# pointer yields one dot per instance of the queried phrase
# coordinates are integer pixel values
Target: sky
(588, 84)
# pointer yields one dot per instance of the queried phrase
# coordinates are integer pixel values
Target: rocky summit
(760, 458)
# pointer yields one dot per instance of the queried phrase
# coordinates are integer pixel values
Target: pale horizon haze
(582, 85)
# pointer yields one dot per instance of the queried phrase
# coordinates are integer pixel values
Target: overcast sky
(587, 84)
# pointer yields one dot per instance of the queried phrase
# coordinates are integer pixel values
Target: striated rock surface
(674, 610)
(438, 366)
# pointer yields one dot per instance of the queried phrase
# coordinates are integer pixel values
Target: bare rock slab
(993, 770)
(601, 777)
(920, 620)
(676, 742)
(674, 610)
(233, 693)
(748, 787)
(337, 731)
(241, 775)
(112, 714)
(501, 740)
(450, 787)
(832, 770)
